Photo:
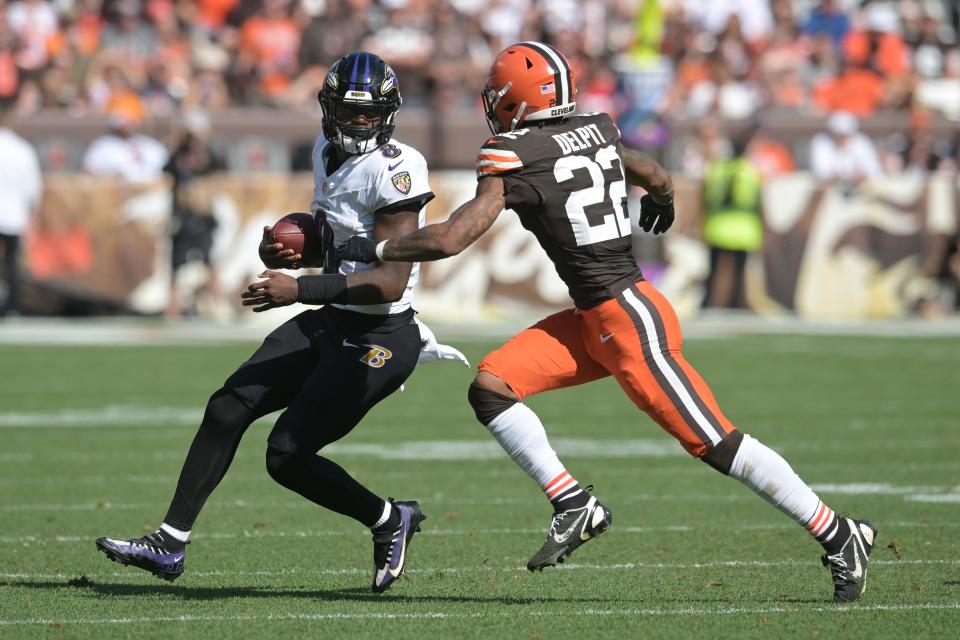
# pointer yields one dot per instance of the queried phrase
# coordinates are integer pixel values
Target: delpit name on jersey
(579, 139)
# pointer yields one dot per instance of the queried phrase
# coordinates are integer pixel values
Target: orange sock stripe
(821, 512)
(816, 516)
(561, 487)
(827, 518)
(560, 477)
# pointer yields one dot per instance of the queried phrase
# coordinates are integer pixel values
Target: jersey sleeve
(403, 181)
(608, 127)
(495, 159)
(500, 157)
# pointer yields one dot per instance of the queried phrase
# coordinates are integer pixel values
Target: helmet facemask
(360, 98)
(491, 100)
(340, 114)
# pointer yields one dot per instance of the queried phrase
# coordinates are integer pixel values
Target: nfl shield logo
(401, 181)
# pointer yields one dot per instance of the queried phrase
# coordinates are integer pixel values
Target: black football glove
(358, 249)
(651, 212)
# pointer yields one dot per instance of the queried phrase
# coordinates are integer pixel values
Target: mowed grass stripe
(361, 446)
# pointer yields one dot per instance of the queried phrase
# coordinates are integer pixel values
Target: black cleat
(148, 553)
(390, 547)
(570, 529)
(849, 565)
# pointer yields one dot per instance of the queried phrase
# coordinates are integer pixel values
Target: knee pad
(278, 462)
(487, 404)
(226, 412)
(721, 456)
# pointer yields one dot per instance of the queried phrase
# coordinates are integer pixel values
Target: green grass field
(93, 438)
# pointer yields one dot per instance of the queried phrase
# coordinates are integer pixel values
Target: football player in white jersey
(325, 367)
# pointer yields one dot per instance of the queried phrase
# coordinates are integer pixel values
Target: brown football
(298, 231)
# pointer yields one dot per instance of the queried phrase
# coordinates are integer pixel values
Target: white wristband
(379, 250)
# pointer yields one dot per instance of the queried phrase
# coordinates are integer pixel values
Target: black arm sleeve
(410, 204)
(322, 289)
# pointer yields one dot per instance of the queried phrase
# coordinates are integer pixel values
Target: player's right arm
(656, 207)
(437, 241)
(386, 283)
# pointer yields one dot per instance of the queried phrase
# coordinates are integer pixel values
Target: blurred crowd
(683, 57)
(650, 63)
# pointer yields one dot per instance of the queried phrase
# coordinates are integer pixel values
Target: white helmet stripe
(562, 69)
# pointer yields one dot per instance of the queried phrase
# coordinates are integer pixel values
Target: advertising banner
(828, 251)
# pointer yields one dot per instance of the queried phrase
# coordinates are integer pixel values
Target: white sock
(387, 510)
(769, 475)
(182, 536)
(521, 434)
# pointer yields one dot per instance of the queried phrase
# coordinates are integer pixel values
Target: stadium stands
(660, 65)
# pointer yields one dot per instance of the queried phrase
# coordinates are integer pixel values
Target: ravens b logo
(376, 357)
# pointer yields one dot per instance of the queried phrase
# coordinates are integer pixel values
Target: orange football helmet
(528, 81)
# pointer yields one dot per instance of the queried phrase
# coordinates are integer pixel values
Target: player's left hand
(653, 212)
(277, 290)
(358, 249)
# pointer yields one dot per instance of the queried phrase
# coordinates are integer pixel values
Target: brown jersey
(566, 183)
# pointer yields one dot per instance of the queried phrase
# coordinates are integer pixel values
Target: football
(298, 231)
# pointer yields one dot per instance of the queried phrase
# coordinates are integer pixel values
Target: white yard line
(126, 416)
(442, 615)
(942, 494)
(24, 456)
(941, 498)
(486, 451)
(260, 534)
(109, 416)
(672, 470)
(883, 489)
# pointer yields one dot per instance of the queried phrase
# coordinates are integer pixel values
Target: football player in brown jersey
(565, 176)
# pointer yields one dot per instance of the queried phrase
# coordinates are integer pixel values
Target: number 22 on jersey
(616, 223)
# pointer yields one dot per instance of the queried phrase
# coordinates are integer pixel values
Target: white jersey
(392, 178)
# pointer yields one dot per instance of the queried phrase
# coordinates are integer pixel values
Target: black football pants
(328, 367)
